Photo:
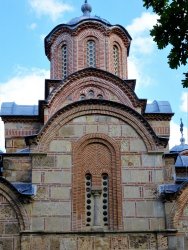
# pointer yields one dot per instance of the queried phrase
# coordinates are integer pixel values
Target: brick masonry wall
(71, 91)
(15, 133)
(161, 128)
(95, 241)
(141, 172)
(9, 226)
(17, 169)
(77, 51)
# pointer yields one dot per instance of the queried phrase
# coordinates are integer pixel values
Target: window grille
(91, 53)
(64, 61)
(105, 198)
(88, 198)
(116, 60)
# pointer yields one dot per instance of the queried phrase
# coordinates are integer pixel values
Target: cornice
(74, 30)
(158, 116)
(20, 118)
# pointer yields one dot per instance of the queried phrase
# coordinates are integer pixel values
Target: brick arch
(96, 154)
(108, 89)
(15, 204)
(58, 98)
(116, 40)
(82, 38)
(181, 203)
(105, 79)
(56, 57)
(124, 113)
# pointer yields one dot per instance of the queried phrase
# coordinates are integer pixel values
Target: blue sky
(24, 66)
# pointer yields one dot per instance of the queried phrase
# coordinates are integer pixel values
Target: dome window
(64, 61)
(91, 53)
(91, 94)
(82, 97)
(100, 97)
(116, 59)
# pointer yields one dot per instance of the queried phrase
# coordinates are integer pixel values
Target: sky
(24, 66)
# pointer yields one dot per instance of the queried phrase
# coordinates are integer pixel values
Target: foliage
(172, 29)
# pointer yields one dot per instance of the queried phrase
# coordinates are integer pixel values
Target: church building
(89, 167)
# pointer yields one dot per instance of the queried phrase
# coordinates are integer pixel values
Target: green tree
(171, 29)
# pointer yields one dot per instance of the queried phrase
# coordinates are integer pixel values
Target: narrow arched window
(91, 94)
(116, 59)
(64, 61)
(100, 97)
(82, 97)
(91, 53)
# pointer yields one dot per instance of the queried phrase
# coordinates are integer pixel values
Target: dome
(179, 148)
(86, 9)
(81, 18)
(181, 161)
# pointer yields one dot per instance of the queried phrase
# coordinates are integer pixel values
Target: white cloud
(141, 24)
(143, 45)
(52, 8)
(136, 71)
(33, 26)
(140, 27)
(175, 134)
(184, 104)
(26, 87)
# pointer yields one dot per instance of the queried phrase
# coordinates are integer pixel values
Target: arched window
(116, 59)
(96, 191)
(91, 94)
(91, 53)
(100, 97)
(64, 61)
(82, 97)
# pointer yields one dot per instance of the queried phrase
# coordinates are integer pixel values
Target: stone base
(94, 241)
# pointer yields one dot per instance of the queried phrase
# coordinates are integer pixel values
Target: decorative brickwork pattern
(71, 93)
(56, 56)
(76, 40)
(181, 204)
(125, 114)
(14, 211)
(96, 154)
